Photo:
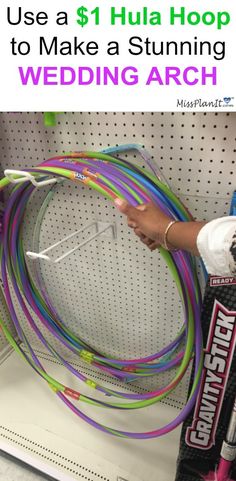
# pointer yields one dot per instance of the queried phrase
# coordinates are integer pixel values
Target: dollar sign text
(83, 16)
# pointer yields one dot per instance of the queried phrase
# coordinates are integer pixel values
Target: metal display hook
(101, 228)
(21, 176)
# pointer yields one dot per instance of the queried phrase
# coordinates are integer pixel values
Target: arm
(183, 235)
(214, 241)
(150, 224)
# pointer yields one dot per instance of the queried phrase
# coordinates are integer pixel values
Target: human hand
(147, 220)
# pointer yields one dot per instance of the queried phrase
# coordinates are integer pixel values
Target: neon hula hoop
(112, 178)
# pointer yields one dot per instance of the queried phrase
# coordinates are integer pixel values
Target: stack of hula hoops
(112, 178)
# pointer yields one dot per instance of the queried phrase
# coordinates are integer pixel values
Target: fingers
(133, 218)
(142, 207)
(124, 207)
(153, 246)
(146, 241)
(133, 213)
(139, 233)
(132, 224)
(150, 243)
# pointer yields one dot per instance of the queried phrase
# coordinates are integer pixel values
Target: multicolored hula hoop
(112, 178)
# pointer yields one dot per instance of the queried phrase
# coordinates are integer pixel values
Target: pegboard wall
(115, 292)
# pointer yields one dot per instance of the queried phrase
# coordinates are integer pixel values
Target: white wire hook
(20, 176)
(100, 227)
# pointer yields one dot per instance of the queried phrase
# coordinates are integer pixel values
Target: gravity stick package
(208, 439)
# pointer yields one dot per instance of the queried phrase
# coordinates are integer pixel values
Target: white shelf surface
(13, 470)
(38, 429)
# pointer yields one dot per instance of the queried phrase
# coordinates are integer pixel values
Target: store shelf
(36, 428)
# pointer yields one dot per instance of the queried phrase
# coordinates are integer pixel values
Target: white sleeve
(216, 243)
